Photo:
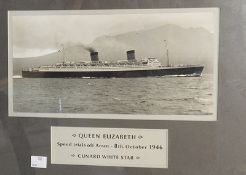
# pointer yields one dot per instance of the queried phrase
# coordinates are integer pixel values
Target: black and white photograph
(146, 64)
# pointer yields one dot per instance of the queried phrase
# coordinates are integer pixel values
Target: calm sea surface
(153, 95)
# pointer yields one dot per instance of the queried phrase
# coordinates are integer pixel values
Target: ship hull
(175, 71)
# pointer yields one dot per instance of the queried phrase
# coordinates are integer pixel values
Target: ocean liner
(128, 68)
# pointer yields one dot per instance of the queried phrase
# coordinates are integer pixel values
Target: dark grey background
(195, 148)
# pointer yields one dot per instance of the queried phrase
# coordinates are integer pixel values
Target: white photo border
(212, 117)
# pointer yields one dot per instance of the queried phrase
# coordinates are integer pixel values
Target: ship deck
(104, 68)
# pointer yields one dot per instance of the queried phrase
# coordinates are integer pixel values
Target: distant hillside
(186, 46)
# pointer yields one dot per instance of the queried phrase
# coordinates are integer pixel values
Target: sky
(36, 35)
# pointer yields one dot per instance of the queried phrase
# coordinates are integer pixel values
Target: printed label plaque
(110, 147)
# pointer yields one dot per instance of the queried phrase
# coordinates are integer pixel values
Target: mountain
(185, 45)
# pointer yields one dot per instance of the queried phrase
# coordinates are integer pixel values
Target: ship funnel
(131, 56)
(94, 56)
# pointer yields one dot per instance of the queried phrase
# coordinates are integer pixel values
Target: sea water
(151, 95)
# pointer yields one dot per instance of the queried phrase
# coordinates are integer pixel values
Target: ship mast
(63, 54)
(167, 54)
